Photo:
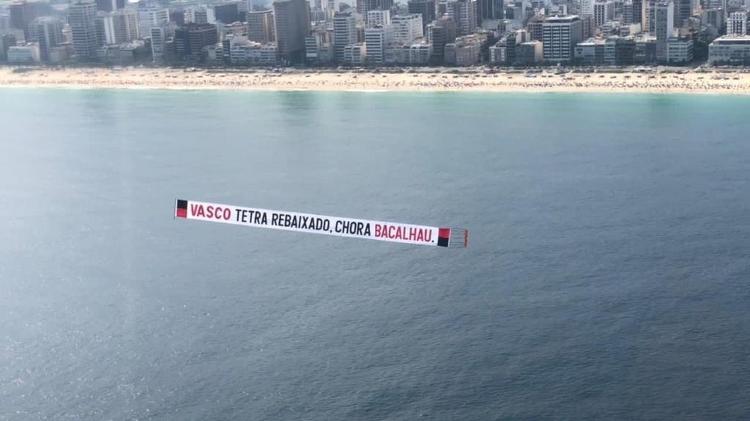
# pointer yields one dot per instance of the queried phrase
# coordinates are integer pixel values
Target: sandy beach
(482, 80)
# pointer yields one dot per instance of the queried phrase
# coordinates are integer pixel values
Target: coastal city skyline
(376, 33)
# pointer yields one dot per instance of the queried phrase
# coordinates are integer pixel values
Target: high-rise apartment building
(378, 18)
(587, 8)
(535, 27)
(647, 16)
(637, 11)
(737, 24)
(426, 8)
(407, 28)
(105, 29)
(664, 20)
(490, 9)
(683, 9)
(159, 35)
(227, 12)
(375, 42)
(604, 11)
(6, 41)
(150, 18)
(560, 35)
(200, 15)
(22, 14)
(440, 33)
(82, 20)
(344, 33)
(464, 13)
(663, 27)
(109, 5)
(117, 27)
(48, 33)
(318, 46)
(364, 6)
(4, 22)
(260, 26)
(627, 12)
(192, 38)
(292, 25)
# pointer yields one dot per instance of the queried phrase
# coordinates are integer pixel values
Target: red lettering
(395, 232)
(413, 233)
(196, 210)
(216, 212)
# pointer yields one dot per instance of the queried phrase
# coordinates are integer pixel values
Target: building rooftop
(561, 19)
(591, 41)
(732, 39)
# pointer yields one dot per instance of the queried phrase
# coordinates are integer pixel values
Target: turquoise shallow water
(606, 278)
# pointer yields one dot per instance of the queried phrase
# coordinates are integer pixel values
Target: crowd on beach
(545, 80)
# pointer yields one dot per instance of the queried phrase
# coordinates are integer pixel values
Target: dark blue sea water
(606, 276)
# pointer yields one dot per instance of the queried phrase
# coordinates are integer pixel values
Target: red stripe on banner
(181, 213)
(444, 232)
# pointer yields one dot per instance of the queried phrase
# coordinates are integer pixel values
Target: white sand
(724, 82)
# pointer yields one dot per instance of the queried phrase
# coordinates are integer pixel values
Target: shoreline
(687, 81)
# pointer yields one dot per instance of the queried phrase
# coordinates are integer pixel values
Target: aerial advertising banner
(320, 224)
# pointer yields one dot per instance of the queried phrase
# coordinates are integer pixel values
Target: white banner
(320, 224)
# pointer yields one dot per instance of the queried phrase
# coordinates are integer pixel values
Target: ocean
(606, 275)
